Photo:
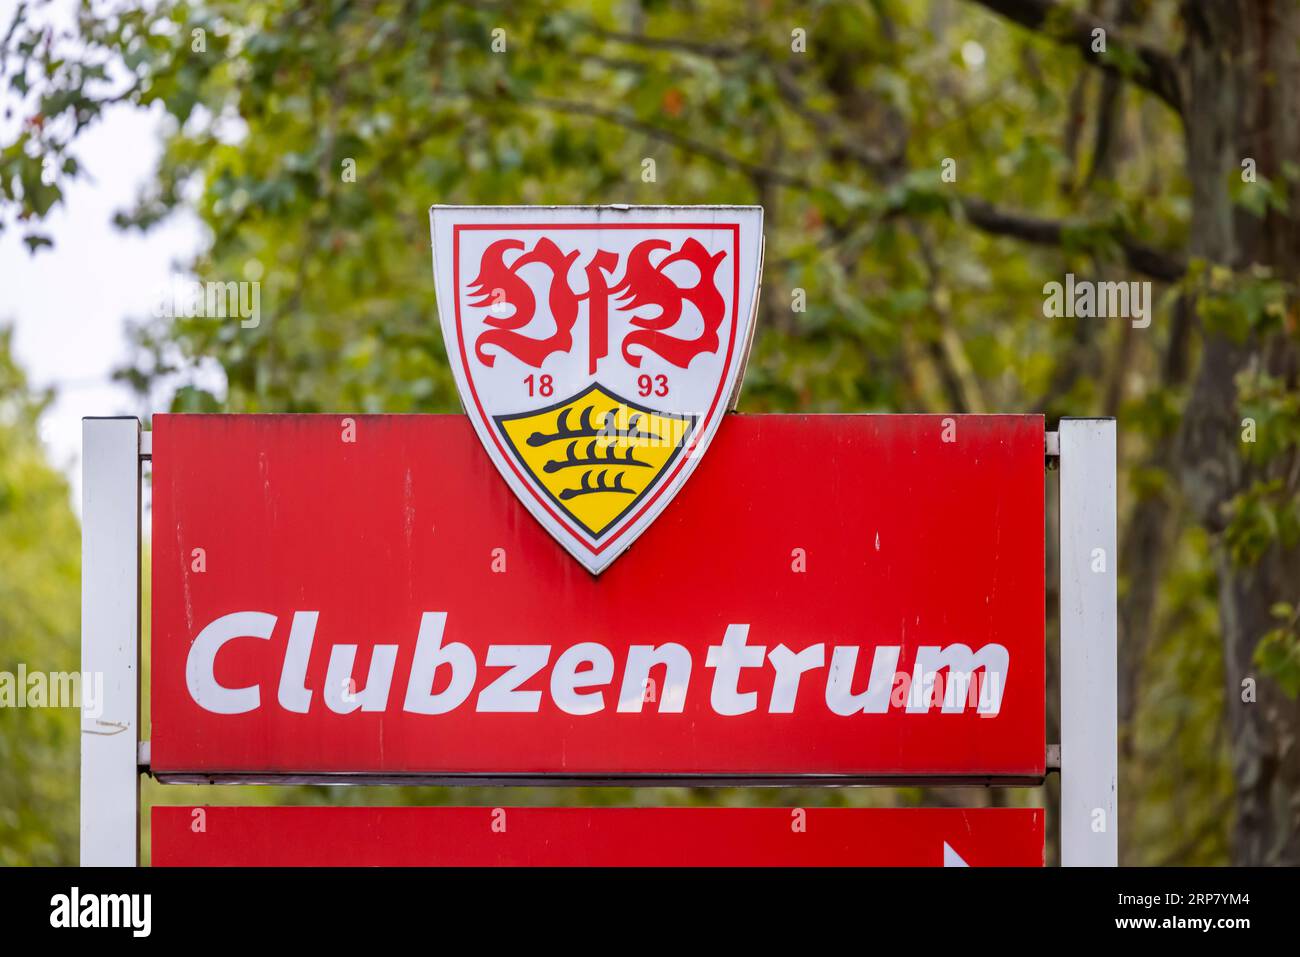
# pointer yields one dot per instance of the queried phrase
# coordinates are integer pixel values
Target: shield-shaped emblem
(597, 349)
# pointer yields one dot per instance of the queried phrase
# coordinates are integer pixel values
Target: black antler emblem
(593, 457)
(586, 430)
(601, 485)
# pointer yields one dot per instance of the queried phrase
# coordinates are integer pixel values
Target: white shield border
(445, 288)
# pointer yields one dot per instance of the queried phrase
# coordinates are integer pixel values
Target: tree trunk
(1242, 68)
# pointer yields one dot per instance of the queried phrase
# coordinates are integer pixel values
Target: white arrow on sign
(951, 858)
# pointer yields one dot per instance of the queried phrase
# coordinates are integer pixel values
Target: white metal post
(1089, 622)
(110, 641)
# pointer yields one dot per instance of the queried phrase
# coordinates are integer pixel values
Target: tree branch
(1166, 267)
(1159, 73)
(710, 51)
(672, 137)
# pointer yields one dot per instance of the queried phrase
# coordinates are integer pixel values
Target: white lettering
(789, 669)
(200, 675)
(640, 660)
(566, 678)
(728, 659)
(839, 684)
(294, 694)
(523, 661)
(339, 679)
(429, 657)
(960, 663)
(945, 677)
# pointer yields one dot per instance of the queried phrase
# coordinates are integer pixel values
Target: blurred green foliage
(40, 593)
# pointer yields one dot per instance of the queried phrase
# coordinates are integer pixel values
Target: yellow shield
(596, 454)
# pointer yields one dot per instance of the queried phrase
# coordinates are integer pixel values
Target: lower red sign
(596, 836)
(842, 596)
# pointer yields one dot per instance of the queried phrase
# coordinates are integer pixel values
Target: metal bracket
(1053, 762)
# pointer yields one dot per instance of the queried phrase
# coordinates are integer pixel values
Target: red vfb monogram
(642, 285)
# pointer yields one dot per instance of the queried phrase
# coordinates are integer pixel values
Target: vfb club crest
(597, 350)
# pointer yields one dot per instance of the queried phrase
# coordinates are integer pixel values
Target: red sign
(855, 597)
(599, 837)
